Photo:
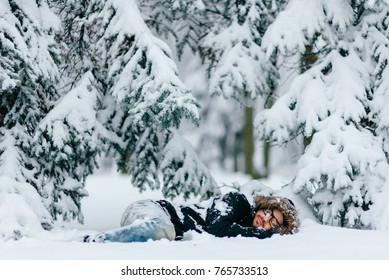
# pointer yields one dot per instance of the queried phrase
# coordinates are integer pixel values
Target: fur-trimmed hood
(286, 206)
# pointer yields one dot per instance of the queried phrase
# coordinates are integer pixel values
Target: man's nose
(266, 218)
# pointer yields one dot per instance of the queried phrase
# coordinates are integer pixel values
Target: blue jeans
(143, 220)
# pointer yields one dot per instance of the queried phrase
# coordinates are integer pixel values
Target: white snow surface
(110, 194)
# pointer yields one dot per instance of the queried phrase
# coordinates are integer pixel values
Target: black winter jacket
(229, 215)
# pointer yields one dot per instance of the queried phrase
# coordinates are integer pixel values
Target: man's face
(268, 218)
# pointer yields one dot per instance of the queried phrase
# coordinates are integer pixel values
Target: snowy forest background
(168, 90)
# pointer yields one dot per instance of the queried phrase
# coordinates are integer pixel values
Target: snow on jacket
(228, 215)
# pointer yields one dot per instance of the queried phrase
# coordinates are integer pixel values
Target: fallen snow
(109, 195)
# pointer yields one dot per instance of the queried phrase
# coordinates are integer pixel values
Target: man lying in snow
(229, 215)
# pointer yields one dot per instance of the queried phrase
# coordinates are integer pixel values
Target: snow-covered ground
(110, 194)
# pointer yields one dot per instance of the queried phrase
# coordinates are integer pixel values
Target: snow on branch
(141, 73)
(183, 172)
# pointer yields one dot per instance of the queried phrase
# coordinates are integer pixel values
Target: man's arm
(225, 214)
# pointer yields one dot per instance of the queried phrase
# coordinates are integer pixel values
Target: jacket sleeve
(225, 216)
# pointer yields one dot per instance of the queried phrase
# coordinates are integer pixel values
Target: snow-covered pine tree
(184, 174)
(238, 67)
(344, 169)
(235, 54)
(28, 77)
(130, 86)
(377, 32)
(187, 21)
(71, 138)
(74, 40)
(195, 23)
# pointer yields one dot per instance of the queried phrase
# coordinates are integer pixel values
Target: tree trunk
(237, 153)
(248, 136)
(267, 147)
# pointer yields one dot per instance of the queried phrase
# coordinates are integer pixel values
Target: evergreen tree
(129, 85)
(344, 169)
(28, 77)
(184, 172)
(227, 35)
(71, 138)
(187, 21)
(377, 30)
(238, 67)
(235, 54)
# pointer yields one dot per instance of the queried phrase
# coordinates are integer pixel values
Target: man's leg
(141, 221)
(139, 231)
